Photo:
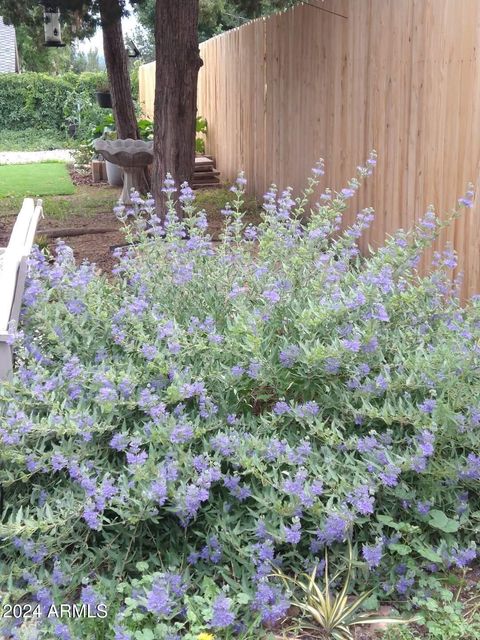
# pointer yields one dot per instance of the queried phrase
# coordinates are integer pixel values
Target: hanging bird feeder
(51, 20)
(132, 49)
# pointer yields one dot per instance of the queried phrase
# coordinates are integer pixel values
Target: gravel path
(26, 157)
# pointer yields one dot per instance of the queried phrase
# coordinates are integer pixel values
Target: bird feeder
(132, 49)
(51, 20)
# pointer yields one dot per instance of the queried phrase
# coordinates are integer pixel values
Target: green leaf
(401, 549)
(371, 603)
(398, 526)
(440, 521)
(243, 598)
(144, 634)
(172, 393)
(427, 552)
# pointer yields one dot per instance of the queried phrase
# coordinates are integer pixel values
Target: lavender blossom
(222, 617)
(372, 554)
(293, 533)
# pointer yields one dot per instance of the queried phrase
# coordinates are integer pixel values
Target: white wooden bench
(13, 273)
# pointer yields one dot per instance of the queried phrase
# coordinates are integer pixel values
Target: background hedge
(39, 100)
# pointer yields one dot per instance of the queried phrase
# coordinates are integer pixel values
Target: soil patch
(91, 209)
(94, 247)
(83, 178)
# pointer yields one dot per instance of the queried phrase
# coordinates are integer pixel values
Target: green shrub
(134, 79)
(32, 140)
(176, 434)
(201, 129)
(41, 101)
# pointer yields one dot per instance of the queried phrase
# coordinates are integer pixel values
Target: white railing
(13, 273)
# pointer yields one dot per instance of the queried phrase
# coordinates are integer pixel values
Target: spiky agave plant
(334, 613)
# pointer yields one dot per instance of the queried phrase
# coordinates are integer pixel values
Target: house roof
(9, 62)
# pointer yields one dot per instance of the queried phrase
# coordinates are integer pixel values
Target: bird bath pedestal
(133, 156)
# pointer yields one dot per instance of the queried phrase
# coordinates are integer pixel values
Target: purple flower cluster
(461, 558)
(181, 432)
(425, 442)
(362, 500)
(301, 490)
(423, 508)
(33, 551)
(428, 406)
(222, 617)
(158, 490)
(293, 533)
(136, 457)
(372, 554)
(389, 475)
(270, 602)
(471, 471)
(225, 443)
(196, 493)
(211, 552)
(236, 488)
(289, 355)
(167, 589)
(335, 528)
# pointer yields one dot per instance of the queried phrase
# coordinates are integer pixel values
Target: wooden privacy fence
(334, 79)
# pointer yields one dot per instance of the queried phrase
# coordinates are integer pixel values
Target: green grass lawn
(86, 200)
(42, 179)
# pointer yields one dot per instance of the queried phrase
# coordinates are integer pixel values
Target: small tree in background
(28, 20)
(80, 18)
(116, 61)
(215, 16)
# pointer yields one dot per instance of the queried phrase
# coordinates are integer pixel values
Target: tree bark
(116, 61)
(177, 64)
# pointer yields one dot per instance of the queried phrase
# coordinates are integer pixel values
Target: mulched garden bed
(81, 177)
(92, 246)
(105, 228)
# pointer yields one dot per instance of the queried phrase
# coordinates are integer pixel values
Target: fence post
(6, 361)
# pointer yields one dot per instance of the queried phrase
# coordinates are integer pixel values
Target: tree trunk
(177, 64)
(116, 61)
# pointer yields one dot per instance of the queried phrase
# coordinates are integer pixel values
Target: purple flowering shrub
(217, 410)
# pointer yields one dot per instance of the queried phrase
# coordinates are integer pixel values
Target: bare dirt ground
(91, 209)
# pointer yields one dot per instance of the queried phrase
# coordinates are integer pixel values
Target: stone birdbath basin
(133, 156)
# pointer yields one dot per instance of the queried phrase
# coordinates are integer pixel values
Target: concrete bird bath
(133, 156)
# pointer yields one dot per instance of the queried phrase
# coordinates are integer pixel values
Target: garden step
(205, 174)
(203, 160)
(205, 177)
(202, 171)
(204, 185)
(202, 177)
